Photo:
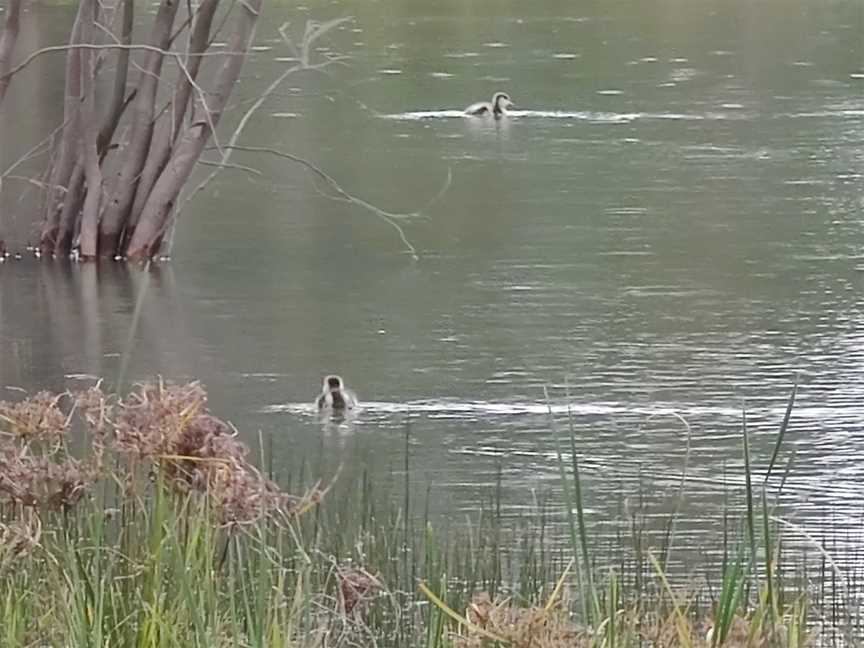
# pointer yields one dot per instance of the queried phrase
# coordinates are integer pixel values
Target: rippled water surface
(670, 222)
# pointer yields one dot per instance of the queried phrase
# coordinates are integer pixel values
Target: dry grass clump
(38, 417)
(19, 538)
(36, 467)
(551, 627)
(44, 481)
(357, 588)
(159, 429)
(520, 627)
(152, 421)
(171, 427)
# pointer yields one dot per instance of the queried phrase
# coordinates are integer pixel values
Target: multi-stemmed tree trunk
(115, 197)
(118, 163)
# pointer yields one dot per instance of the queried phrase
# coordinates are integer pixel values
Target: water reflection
(104, 320)
(338, 425)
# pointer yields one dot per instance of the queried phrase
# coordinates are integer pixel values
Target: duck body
(496, 108)
(335, 396)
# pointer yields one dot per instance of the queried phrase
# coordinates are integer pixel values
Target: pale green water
(674, 222)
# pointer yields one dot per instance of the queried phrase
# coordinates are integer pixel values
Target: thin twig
(147, 48)
(345, 196)
(243, 121)
(29, 155)
(36, 183)
(229, 165)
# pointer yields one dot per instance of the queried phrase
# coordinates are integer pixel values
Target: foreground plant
(158, 430)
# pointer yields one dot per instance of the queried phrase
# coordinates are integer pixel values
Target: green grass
(153, 546)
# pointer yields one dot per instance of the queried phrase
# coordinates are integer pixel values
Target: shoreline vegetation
(142, 521)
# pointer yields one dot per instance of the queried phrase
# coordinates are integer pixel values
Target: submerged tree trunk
(167, 131)
(88, 148)
(156, 211)
(63, 236)
(123, 189)
(59, 186)
(114, 175)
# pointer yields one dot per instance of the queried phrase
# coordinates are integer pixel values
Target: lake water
(670, 222)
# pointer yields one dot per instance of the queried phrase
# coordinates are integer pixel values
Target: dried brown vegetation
(520, 627)
(357, 588)
(552, 627)
(36, 468)
(158, 429)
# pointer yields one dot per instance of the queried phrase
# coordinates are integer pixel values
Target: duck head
(332, 382)
(501, 102)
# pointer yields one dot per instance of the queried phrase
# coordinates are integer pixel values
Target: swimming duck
(334, 396)
(497, 108)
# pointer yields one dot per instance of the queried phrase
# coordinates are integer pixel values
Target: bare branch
(37, 183)
(7, 42)
(121, 73)
(238, 167)
(303, 56)
(164, 51)
(34, 151)
(339, 193)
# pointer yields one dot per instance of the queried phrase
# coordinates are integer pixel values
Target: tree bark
(88, 148)
(7, 43)
(123, 191)
(65, 161)
(121, 74)
(69, 212)
(167, 131)
(154, 216)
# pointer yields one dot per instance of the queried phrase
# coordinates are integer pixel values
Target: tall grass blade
(783, 427)
(583, 530)
(771, 602)
(568, 506)
(751, 522)
(730, 596)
